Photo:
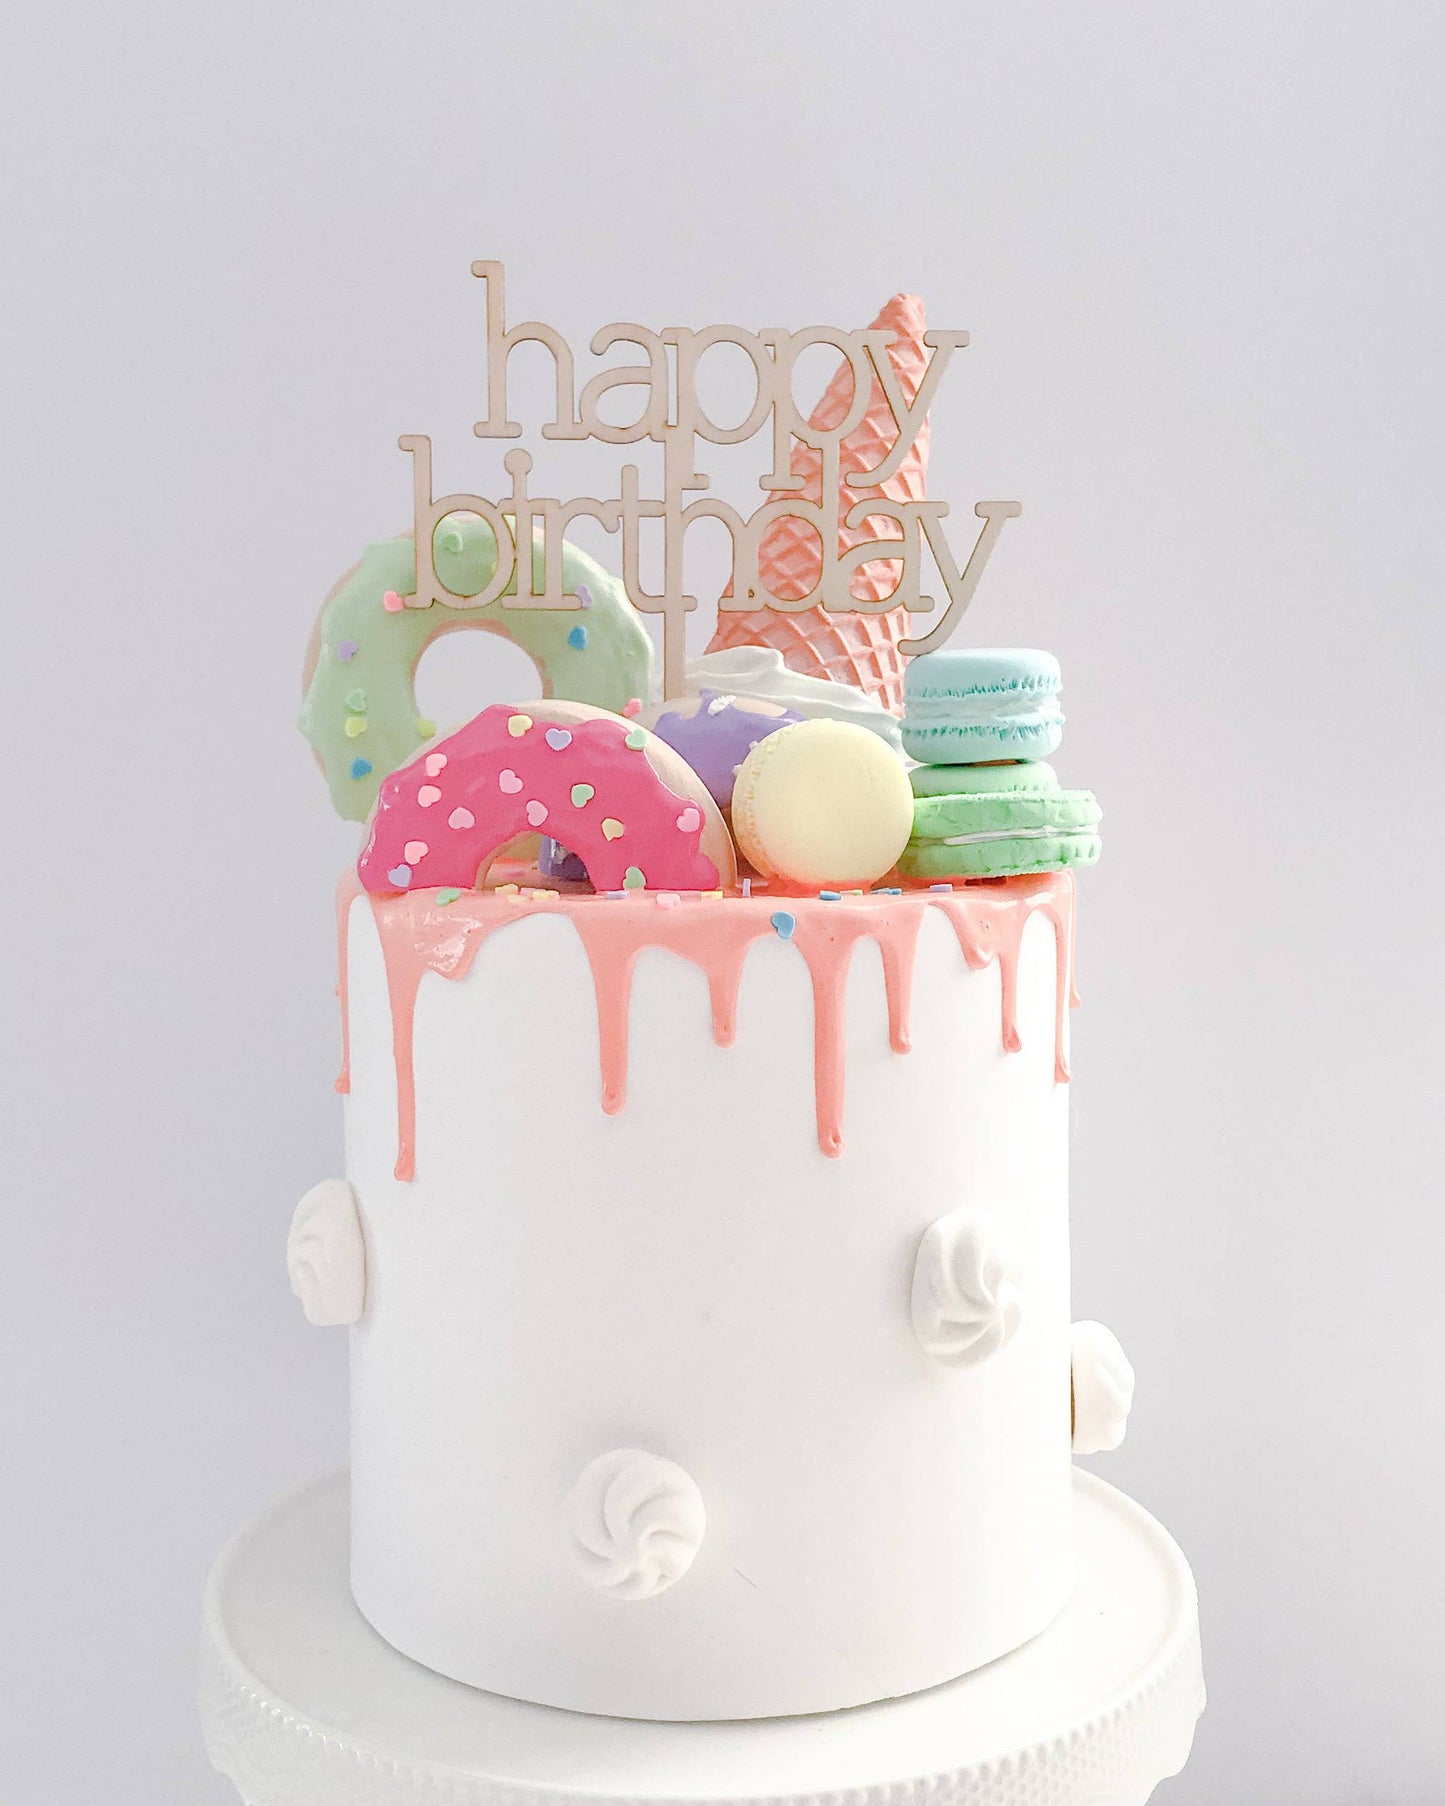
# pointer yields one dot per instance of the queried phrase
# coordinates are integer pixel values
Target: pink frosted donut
(629, 807)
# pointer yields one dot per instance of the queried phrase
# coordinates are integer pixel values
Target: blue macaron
(972, 707)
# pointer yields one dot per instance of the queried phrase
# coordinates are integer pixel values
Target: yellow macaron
(822, 803)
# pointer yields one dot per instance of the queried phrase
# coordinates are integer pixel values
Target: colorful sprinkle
(783, 922)
(584, 599)
(577, 638)
(668, 899)
(891, 890)
(425, 729)
(619, 895)
(633, 706)
(558, 739)
(636, 740)
(582, 794)
(360, 768)
(518, 725)
(414, 852)
(356, 701)
(508, 782)
(536, 813)
(346, 650)
(448, 895)
(392, 602)
(436, 764)
(508, 890)
(400, 876)
(354, 725)
(689, 820)
(747, 887)
(612, 829)
(461, 818)
(710, 893)
(632, 879)
(831, 896)
(427, 795)
(718, 704)
(947, 887)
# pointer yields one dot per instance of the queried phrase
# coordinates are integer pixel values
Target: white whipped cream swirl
(759, 672)
(326, 1254)
(1103, 1388)
(966, 1298)
(636, 1523)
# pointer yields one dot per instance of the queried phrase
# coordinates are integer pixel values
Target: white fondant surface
(694, 1278)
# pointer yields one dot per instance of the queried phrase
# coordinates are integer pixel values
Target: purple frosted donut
(715, 732)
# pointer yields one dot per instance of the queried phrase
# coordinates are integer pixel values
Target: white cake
(704, 1234)
(662, 1410)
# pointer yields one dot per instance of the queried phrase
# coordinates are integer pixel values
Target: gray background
(1198, 251)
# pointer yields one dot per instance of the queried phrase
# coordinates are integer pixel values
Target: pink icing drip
(996, 933)
(347, 892)
(714, 934)
(419, 936)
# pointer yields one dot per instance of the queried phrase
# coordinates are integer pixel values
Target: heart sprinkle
(346, 650)
(536, 813)
(632, 879)
(582, 794)
(436, 764)
(400, 876)
(517, 725)
(558, 738)
(414, 852)
(636, 740)
(784, 923)
(577, 638)
(461, 818)
(427, 795)
(392, 602)
(612, 829)
(689, 820)
(633, 706)
(584, 595)
(354, 725)
(360, 768)
(508, 782)
(448, 895)
(356, 702)
(425, 729)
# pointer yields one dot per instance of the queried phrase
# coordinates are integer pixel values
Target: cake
(704, 1229)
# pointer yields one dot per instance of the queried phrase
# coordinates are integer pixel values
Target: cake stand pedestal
(303, 1704)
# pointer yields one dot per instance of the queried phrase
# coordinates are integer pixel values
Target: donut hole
(516, 862)
(465, 668)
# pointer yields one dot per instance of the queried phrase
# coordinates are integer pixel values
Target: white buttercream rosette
(636, 1523)
(966, 1289)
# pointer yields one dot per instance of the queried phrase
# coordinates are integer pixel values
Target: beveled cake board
(303, 1704)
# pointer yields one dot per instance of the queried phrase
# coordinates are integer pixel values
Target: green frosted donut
(359, 711)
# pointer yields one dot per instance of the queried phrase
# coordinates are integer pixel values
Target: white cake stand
(304, 1705)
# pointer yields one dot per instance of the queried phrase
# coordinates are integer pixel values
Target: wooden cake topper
(673, 417)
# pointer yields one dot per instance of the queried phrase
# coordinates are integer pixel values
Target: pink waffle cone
(858, 649)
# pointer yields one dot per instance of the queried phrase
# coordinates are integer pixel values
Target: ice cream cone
(858, 649)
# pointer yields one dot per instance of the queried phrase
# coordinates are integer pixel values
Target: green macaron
(993, 821)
